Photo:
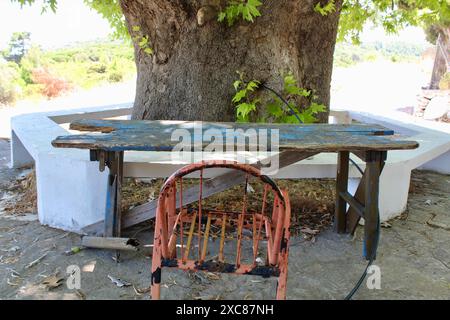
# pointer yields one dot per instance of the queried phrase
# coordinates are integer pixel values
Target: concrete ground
(414, 258)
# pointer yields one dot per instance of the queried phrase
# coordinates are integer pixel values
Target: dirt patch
(413, 255)
(312, 200)
(21, 195)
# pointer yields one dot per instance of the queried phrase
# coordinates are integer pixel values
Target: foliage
(247, 9)
(45, 4)
(328, 8)
(391, 15)
(245, 104)
(141, 40)
(347, 54)
(444, 84)
(90, 64)
(279, 108)
(9, 82)
(51, 86)
(32, 60)
(18, 46)
(110, 10)
(48, 73)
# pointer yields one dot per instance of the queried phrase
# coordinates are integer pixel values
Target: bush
(9, 83)
(97, 68)
(444, 84)
(52, 86)
(32, 60)
(115, 76)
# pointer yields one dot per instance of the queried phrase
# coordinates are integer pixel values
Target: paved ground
(414, 257)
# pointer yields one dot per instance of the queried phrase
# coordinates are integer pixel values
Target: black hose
(372, 258)
(283, 100)
(357, 167)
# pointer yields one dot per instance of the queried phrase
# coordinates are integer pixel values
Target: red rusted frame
(170, 226)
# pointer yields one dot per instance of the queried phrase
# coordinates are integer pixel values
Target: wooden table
(296, 142)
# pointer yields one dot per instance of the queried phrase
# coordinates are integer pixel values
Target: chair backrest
(178, 223)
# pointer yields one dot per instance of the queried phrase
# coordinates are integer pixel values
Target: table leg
(114, 160)
(374, 164)
(353, 217)
(341, 186)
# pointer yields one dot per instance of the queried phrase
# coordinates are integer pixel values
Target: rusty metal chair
(176, 225)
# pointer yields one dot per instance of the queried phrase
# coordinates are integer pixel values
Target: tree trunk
(190, 74)
(442, 58)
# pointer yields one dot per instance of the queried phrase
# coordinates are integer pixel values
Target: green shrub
(97, 68)
(9, 83)
(444, 84)
(84, 65)
(115, 76)
(32, 60)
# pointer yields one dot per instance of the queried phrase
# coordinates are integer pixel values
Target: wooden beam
(371, 215)
(341, 187)
(353, 216)
(212, 186)
(353, 203)
(112, 225)
(110, 243)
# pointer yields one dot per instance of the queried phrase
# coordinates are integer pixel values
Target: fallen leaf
(52, 281)
(141, 291)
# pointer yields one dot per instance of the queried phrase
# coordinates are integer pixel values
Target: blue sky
(74, 21)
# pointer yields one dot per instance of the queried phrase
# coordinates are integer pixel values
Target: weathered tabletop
(123, 135)
(108, 139)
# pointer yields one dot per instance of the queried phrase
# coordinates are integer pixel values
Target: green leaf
(143, 41)
(244, 109)
(275, 109)
(148, 51)
(306, 117)
(248, 10)
(241, 94)
(222, 16)
(237, 84)
(317, 108)
(326, 9)
(252, 85)
(291, 88)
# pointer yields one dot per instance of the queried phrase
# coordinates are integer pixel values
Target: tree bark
(442, 58)
(190, 74)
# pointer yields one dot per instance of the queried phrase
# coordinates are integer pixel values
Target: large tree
(187, 52)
